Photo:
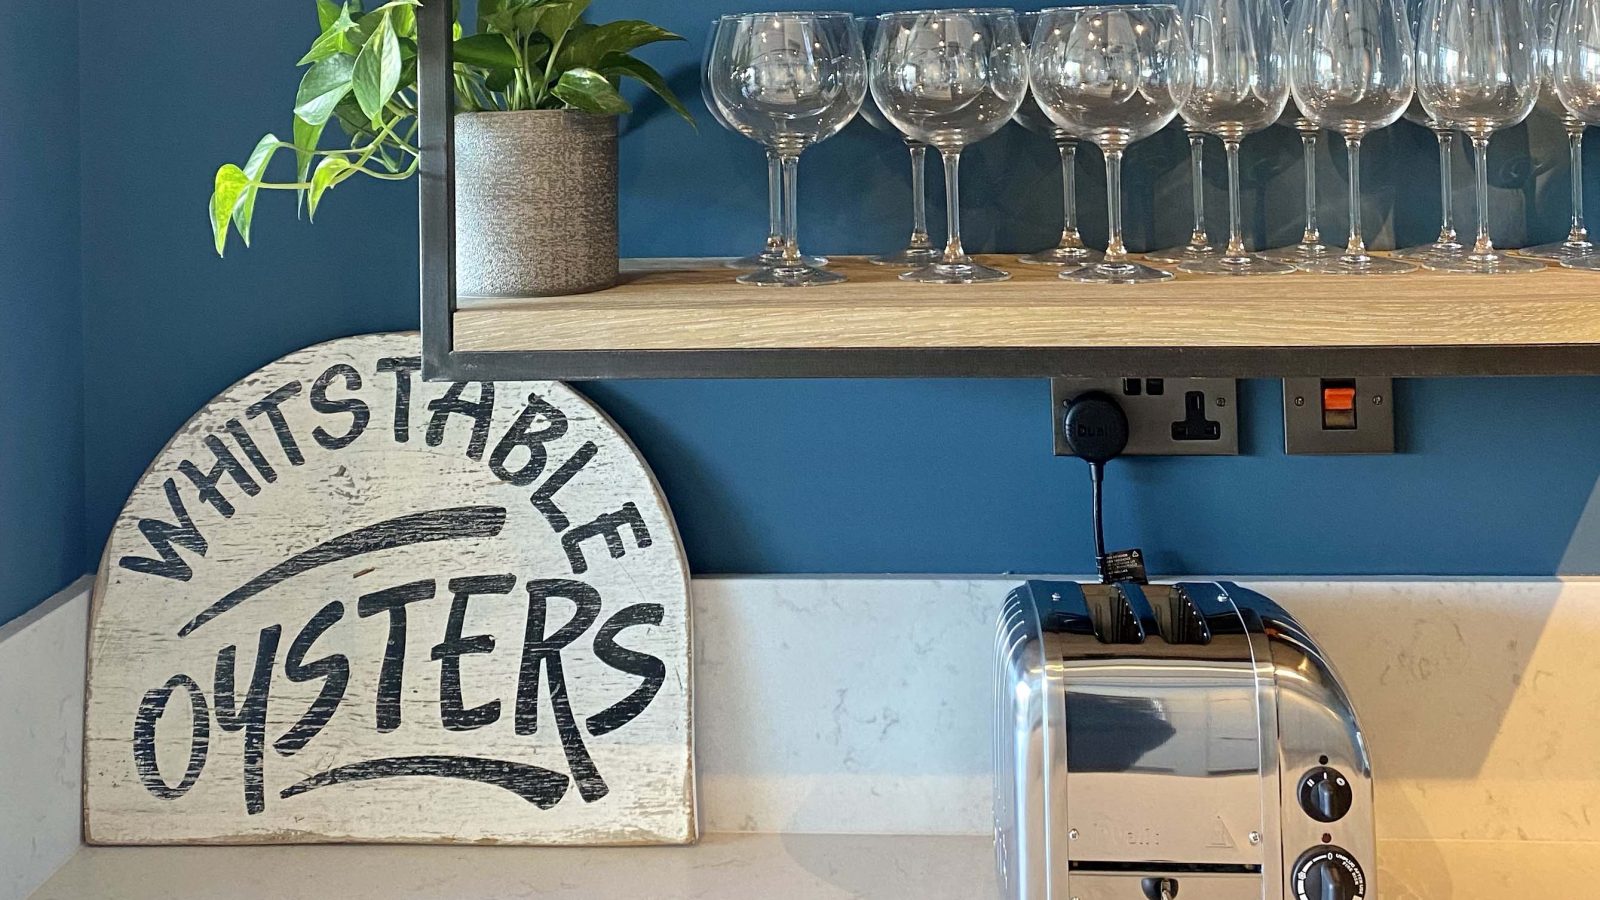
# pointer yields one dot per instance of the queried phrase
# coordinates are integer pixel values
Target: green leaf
(327, 13)
(488, 51)
(557, 17)
(590, 46)
(588, 90)
(229, 187)
(306, 139)
(333, 40)
(615, 64)
(323, 86)
(254, 168)
(377, 70)
(327, 175)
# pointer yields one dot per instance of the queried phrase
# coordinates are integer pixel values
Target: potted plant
(536, 134)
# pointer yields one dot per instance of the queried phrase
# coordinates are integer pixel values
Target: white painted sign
(345, 604)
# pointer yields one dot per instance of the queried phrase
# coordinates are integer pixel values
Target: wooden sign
(346, 604)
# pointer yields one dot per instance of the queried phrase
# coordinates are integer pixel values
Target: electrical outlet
(1166, 416)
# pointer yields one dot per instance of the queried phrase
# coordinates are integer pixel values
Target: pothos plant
(525, 55)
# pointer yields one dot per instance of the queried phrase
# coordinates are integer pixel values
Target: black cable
(1097, 477)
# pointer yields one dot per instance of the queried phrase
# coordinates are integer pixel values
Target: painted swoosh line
(460, 523)
(539, 786)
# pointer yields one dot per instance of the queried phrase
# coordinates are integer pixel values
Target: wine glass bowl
(789, 81)
(1115, 75)
(948, 78)
(1478, 72)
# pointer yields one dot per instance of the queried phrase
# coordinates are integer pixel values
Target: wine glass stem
(1069, 189)
(1116, 251)
(1308, 152)
(791, 209)
(1480, 150)
(919, 195)
(1357, 245)
(953, 253)
(774, 203)
(1447, 223)
(1235, 224)
(1197, 170)
(1579, 232)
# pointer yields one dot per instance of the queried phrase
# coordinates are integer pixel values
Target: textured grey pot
(536, 203)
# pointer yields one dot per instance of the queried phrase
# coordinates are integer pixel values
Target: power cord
(1096, 430)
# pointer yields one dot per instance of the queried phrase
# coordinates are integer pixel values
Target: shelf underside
(688, 318)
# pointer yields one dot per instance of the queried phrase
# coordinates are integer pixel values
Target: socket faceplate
(1169, 422)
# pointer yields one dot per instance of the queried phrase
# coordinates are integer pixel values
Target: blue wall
(41, 321)
(847, 476)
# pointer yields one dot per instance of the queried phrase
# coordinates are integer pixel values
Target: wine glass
(788, 80)
(1311, 245)
(1577, 241)
(919, 250)
(772, 254)
(1478, 72)
(1448, 242)
(1071, 250)
(949, 78)
(1116, 75)
(1200, 245)
(1350, 70)
(1576, 65)
(1238, 56)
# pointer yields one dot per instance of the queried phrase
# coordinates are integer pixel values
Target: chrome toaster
(1183, 742)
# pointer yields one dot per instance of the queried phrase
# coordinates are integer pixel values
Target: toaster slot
(1180, 621)
(1115, 620)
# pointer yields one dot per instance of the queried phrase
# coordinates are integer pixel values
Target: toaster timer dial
(1326, 795)
(1328, 873)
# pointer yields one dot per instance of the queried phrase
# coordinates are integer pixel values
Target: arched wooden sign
(346, 604)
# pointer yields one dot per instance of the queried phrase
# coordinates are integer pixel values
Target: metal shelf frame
(441, 361)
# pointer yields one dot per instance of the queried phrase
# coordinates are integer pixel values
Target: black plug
(1096, 430)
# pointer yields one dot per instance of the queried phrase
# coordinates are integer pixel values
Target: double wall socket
(1166, 416)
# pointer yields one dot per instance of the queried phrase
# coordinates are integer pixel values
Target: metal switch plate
(1170, 422)
(1367, 428)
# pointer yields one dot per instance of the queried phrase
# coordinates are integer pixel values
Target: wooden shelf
(688, 318)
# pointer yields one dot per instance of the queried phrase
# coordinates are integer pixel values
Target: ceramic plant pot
(536, 203)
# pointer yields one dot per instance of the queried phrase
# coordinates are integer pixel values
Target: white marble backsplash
(41, 739)
(861, 705)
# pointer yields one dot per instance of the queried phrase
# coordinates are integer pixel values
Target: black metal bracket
(436, 190)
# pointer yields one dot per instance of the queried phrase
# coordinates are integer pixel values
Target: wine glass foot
(1586, 263)
(1302, 252)
(1435, 250)
(770, 260)
(1237, 265)
(909, 258)
(1187, 253)
(956, 273)
(1486, 264)
(1062, 256)
(790, 276)
(1124, 272)
(1345, 264)
(1560, 251)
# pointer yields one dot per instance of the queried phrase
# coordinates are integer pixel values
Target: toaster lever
(1160, 888)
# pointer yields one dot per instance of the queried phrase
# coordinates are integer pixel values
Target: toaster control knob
(1325, 794)
(1328, 873)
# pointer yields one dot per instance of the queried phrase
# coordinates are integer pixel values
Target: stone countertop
(724, 867)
